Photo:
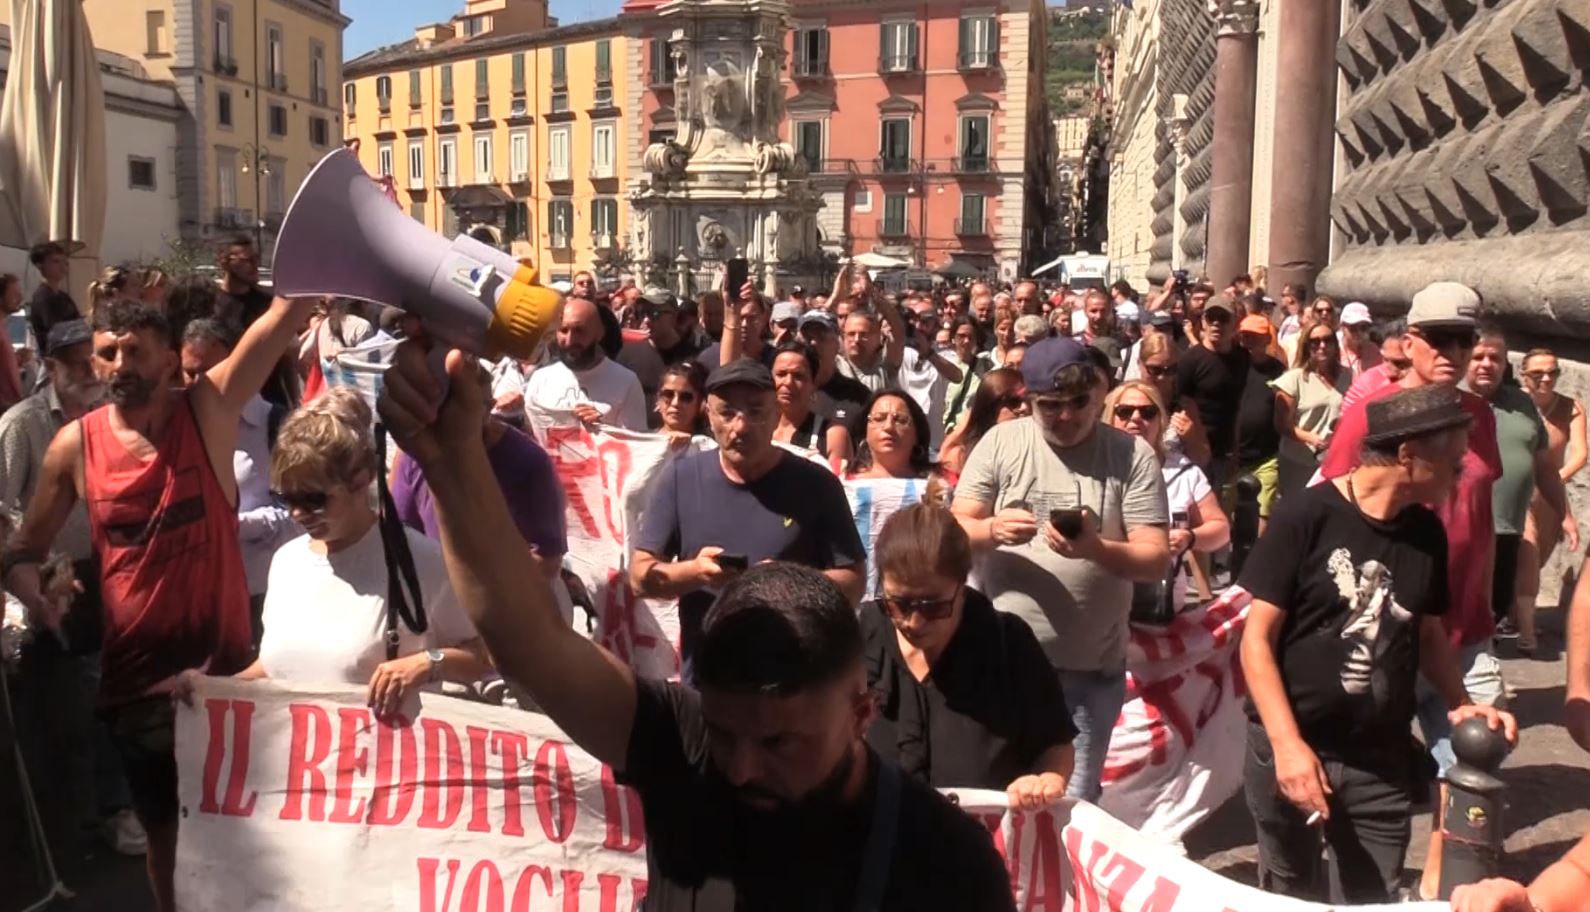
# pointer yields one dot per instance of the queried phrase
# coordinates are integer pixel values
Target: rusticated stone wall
(1463, 130)
(1188, 67)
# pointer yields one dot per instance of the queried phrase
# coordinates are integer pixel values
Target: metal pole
(1471, 817)
(1244, 523)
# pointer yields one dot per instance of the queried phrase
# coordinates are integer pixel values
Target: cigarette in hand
(1313, 818)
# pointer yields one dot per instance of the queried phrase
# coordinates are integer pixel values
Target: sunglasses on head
(1149, 411)
(307, 501)
(932, 609)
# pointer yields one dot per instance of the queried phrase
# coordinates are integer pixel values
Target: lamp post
(257, 160)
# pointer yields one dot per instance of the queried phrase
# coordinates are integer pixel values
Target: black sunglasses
(307, 501)
(1157, 371)
(1125, 412)
(1441, 339)
(1322, 342)
(1217, 315)
(932, 609)
(685, 397)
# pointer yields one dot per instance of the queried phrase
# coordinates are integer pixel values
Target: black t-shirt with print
(1353, 590)
(707, 851)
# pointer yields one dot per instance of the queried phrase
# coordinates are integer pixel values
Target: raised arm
(585, 690)
(894, 339)
(53, 499)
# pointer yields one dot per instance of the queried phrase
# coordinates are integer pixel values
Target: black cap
(1413, 413)
(740, 371)
(66, 334)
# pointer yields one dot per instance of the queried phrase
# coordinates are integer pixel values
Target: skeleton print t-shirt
(1353, 590)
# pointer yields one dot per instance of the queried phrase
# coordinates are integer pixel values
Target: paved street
(1548, 780)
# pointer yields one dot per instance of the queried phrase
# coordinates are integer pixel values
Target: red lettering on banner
(1046, 888)
(1164, 897)
(571, 471)
(444, 790)
(351, 758)
(615, 460)
(482, 889)
(310, 745)
(233, 804)
(1126, 875)
(626, 828)
(393, 795)
(521, 890)
(513, 748)
(553, 778)
(428, 868)
(571, 890)
(1084, 874)
(479, 787)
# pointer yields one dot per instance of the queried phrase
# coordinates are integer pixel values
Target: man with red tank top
(154, 467)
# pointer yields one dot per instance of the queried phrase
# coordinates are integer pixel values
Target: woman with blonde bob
(326, 600)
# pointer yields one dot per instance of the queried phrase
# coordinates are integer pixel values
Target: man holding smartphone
(1069, 513)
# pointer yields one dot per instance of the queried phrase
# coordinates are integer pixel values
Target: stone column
(1231, 180)
(1176, 125)
(1305, 114)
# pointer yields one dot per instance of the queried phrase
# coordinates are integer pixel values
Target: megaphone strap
(399, 560)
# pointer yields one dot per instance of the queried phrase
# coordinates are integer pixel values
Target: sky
(382, 22)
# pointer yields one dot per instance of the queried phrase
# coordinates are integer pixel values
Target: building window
(447, 83)
(973, 209)
(894, 208)
(519, 155)
(517, 107)
(155, 26)
(383, 160)
(518, 218)
(863, 200)
(350, 98)
(809, 143)
(223, 108)
(894, 145)
(603, 150)
(660, 68)
(275, 63)
(974, 143)
(560, 67)
(226, 178)
(518, 73)
(604, 60)
(417, 211)
(897, 47)
(482, 111)
(278, 120)
(560, 102)
(383, 94)
(140, 173)
(447, 162)
(317, 72)
(483, 160)
(558, 153)
(482, 79)
(660, 135)
(447, 116)
(319, 131)
(223, 41)
(811, 51)
(604, 223)
(416, 89)
(416, 165)
(977, 42)
(276, 188)
(560, 223)
(474, 25)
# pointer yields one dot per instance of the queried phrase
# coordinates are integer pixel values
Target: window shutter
(993, 38)
(964, 42)
(910, 37)
(883, 43)
(822, 49)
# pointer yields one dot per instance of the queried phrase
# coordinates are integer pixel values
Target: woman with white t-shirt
(1198, 524)
(326, 600)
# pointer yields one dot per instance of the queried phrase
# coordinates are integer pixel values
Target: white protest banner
(296, 799)
(1176, 750)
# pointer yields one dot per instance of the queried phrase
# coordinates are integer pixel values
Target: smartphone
(733, 561)
(1067, 522)
(739, 271)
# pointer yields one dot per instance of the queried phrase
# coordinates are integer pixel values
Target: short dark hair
(1124, 288)
(190, 299)
(923, 540)
(797, 347)
(42, 251)
(921, 463)
(239, 240)
(121, 317)
(210, 330)
(692, 372)
(778, 629)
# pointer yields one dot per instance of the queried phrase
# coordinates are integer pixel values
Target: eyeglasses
(1217, 315)
(1442, 339)
(890, 418)
(932, 609)
(1014, 403)
(1324, 310)
(1056, 404)
(685, 397)
(1542, 376)
(1149, 412)
(1159, 372)
(307, 501)
(1322, 342)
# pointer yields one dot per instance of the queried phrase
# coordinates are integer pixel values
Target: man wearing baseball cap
(712, 514)
(1349, 585)
(1359, 351)
(838, 396)
(1443, 325)
(1213, 372)
(1066, 513)
(786, 317)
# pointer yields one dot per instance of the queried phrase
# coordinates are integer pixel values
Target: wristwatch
(435, 655)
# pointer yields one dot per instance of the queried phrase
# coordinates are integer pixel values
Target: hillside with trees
(1074, 36)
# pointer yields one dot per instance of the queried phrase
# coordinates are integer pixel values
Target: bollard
(1471, 819)
(1244, 523)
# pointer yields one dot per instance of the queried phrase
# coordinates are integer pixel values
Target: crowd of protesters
(191, 493)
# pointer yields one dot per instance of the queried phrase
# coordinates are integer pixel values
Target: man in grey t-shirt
(1074, 589)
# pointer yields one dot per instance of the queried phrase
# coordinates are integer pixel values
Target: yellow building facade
(515, 138)
(258, 82)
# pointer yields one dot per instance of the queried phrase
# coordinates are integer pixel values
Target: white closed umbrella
(52, 130)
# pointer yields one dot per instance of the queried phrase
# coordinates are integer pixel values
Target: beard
(82, 395)
(130, 391)
(579, 359)
(812, 810)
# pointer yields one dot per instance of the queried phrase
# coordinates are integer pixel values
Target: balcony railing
(892, 228)
(320, 96)
(894, 164)
(383, 104)
(975, 60)
(278, 81)
(810, 68)
(971, 227)
(228, 217)
(225, 65)
(897, 63)
(560, 80)
(558, 174)
(560, 242)
(603, 240)
(973, 164)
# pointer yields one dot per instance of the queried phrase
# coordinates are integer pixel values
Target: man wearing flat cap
(1349, 586)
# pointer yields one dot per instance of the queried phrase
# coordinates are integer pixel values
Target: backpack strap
(880, 840)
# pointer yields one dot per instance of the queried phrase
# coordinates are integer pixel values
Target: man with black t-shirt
(714, 513)
(838, 396)
(1213, 372)
(51, 303)
(1349, 585)
(759, 791)
(241, 302)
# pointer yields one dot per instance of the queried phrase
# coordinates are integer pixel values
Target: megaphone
(343, 237)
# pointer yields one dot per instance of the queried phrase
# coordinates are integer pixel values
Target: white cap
(1126, 310)
(1356, 313)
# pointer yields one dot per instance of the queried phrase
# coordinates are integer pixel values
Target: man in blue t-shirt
(714, 513)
